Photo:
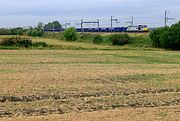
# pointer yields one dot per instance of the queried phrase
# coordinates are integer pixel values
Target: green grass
(141, 41)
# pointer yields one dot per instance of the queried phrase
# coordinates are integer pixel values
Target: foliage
(120, 39)
(54, 35)
(13, 31)
(40, 25)
(86, 36)
(141, 41)
(70, 34)
(9, 41)
(17, 31)
(98, 39)
(4, 31)
(40, 44)
(24, 42)
(16, 41)
(53, 25)
(156, 34)
(35, 32)
(167, 37)
(21, 42)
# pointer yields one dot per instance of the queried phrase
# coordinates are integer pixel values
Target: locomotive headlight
(146, 29)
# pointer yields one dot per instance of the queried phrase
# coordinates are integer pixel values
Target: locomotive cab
(139, 28)
(143, 28)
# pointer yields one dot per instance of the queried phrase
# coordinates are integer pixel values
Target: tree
(35, 32)
(70, 34)
(53, 25)
(56, 24)
(40, 25)
(156, 34)
(12, 31)
(167, 37)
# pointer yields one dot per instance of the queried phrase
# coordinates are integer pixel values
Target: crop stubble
(44, 82)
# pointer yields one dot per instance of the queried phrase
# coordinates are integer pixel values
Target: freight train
(139, 28)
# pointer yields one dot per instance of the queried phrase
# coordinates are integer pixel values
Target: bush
(98, 39)
(4, 31)
(70, 34)
(16, 41)
(17, 31)
(54, 35)
(24, 43)
(120, 39)
(9, 41)
(40, 44)
(141, 40)
(35, 32)
(21, 42)
(155, 36)
(167, 37)
(86, 36)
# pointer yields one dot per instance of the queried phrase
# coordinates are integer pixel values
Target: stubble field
(39, 85)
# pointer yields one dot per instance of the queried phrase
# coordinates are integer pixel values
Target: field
(76, 84)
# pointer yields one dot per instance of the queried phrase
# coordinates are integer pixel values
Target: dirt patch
(84, 108)
(30, 112)
(82, 94)
(11, 106)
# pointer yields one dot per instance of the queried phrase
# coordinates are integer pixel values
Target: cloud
(144, 10)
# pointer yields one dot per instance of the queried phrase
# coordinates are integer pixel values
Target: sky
(15, 13)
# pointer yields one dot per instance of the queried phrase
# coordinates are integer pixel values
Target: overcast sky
(25, 13)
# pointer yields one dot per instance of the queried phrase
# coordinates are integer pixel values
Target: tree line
(31, 31)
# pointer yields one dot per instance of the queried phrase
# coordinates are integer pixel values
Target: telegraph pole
(166, 18)
(89, 22)
(113, 19)
(81, 25)
(132, 21)
(98, 23)
(111, 22)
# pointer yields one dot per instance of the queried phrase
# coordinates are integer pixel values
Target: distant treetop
(53, 25)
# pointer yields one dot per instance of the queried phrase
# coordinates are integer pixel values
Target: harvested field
(127, 114)
(89, 84)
